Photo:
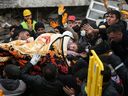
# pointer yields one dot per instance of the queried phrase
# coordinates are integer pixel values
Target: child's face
(41, 30)
(73, 47)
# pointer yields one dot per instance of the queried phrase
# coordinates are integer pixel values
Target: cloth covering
(48, 45)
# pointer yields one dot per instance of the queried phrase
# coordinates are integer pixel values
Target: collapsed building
(11, 10)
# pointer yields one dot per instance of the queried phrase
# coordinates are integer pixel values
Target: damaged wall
(52, 3)
(8, 3)
(40, 3)
(15, 15)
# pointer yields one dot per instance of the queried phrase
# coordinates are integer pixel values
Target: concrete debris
(6, 24)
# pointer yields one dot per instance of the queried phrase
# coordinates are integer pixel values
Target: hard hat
(68, 33)
(124, 12)
(26, 12)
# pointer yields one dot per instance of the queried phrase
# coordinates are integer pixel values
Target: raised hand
(64, 18)
(88, 28)
(61, 9)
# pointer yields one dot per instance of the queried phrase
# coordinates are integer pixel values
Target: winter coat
(39, 86)
(12, 87)
(109, 90)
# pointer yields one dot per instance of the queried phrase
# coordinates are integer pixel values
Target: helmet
(26, 12)
(124, 12)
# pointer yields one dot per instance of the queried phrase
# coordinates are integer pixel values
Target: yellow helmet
(124, 12)
(26, 12)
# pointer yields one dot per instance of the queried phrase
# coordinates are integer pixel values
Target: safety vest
(25, 25)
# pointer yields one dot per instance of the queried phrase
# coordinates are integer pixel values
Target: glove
(61, 9)
(54, 24)
(115, 61)
(64, 18)
(35, 59)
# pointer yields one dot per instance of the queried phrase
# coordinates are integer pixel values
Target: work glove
(61, 9)
(64, 18)
(54, 24)
(35, 59)
(115, 61)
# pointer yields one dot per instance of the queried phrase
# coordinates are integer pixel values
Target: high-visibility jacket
(25, 25)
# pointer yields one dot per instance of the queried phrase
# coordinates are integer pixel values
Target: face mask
(83, 33)
(104, 20)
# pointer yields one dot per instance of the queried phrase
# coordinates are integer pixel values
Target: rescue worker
(28, 22)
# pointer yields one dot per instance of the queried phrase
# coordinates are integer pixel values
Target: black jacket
(109, 90)
(103, 31)
(12, 87)
(121, 48)
(39, 86)
(123, 74)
